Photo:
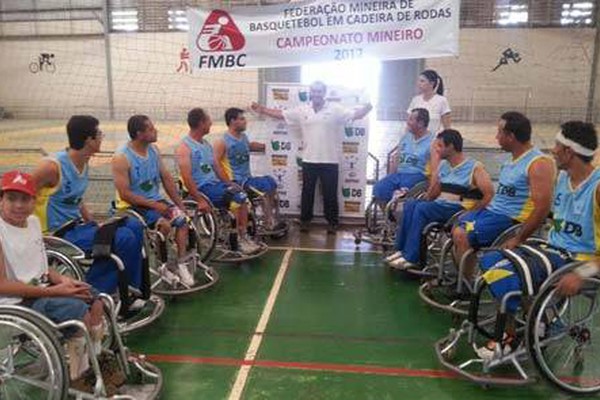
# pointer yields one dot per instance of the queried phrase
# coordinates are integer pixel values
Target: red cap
(18, 181)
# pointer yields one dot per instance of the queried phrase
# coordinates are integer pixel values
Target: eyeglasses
(98, 134)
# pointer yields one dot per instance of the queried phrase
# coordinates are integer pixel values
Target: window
(577, 13)
(511, 13)
(124, 20)
(178, 20)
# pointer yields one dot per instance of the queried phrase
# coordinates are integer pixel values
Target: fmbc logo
(219, 34)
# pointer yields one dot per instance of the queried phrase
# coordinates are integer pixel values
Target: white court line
(320, 250)
(242, 376)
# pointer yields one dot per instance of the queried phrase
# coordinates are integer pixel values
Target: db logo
(351, 192)
(350, 131)
(220, 33)
(277, 145)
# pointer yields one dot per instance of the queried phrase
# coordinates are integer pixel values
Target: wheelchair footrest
(477, 369)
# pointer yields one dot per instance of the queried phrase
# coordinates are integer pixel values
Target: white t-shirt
(437, 106)
(24, 255)
(322, 132)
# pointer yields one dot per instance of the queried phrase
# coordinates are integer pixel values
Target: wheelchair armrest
(453, 220)
(132, 213)
(60, 232)
(116, 220)
(54, 242)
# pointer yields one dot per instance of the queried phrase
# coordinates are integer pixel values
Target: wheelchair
(68, 259)
(162, 254)
(281, 225)
(33, 363)
(554, 333)
(433, 238)
(445, 285)
(380, 225)
(219, 228)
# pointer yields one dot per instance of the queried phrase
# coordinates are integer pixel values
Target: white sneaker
(247, 246)
(138, 304)
(393, 256)
(168, 276)
(399, 263)
(493, 350)
(184, 275)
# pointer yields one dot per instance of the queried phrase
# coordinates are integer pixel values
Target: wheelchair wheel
(372, 216)
(205, 228)
(561, 335)
(32, 365)
(64, 264)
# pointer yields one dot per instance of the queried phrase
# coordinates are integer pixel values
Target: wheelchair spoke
(33, 382)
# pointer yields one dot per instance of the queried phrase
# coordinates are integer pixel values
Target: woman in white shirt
(431, 97)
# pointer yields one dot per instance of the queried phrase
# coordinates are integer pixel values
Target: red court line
(347, 368)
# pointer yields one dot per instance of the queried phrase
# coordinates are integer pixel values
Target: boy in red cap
(26, 280)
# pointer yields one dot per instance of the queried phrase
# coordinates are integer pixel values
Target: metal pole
(589, 115)
(108, 58)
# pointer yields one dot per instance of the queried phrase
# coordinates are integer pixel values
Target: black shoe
(332, 229)
(304, 226)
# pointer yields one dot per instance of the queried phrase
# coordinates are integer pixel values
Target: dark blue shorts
(384, 188)
(484, 226)
(502, 276)
(223, 195)
(263, 184)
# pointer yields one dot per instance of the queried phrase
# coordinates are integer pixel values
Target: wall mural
(508, 55)
(45, 62)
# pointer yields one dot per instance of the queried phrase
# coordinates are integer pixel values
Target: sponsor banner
(321, 30)
(285, 151)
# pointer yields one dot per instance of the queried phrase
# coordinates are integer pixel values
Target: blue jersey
(513, 195)
(60, 204)
(576, 218)
(144, 174)
(202, 160)
(414, 154)
(459, 179)
(236, 162)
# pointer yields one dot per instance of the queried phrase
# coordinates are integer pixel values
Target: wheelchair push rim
(562, 333)
(31, 360)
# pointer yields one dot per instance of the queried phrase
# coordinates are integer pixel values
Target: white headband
(576, 147)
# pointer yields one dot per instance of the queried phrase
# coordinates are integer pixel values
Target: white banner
(322, 30)
(285, 151)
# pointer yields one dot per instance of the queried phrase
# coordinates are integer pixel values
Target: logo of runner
(220, 33)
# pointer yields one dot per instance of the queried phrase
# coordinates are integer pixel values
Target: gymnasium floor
(314, 318)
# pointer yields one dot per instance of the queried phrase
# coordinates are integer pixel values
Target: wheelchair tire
(205, 228)
(556, 324)
(63, 264)
(37, 339)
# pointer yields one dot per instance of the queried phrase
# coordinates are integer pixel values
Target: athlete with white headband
(573, 236)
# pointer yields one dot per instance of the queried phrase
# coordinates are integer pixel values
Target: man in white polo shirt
(320, 124)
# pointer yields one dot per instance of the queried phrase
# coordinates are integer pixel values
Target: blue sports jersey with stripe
(576, 218)
(414, 154)
(61, 204)
(513, 195)
(237, 157)
(202, 161)
(144, 174)
(460, 175)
